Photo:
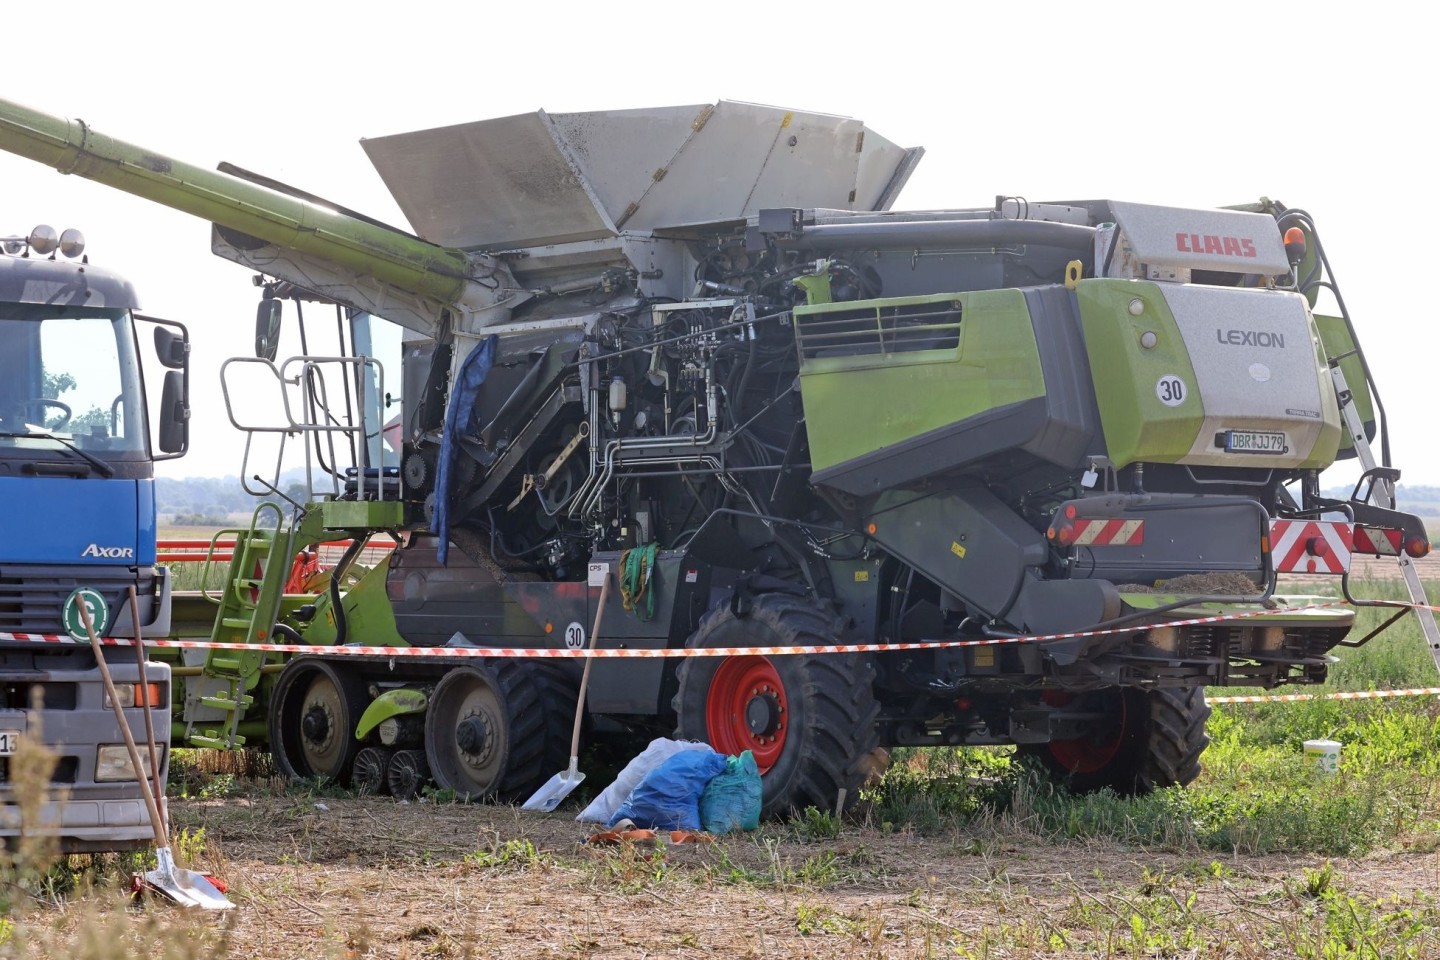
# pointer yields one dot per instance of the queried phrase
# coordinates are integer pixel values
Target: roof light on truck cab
(43, 239)
(72, 243)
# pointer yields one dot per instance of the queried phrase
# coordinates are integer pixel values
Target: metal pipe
(929, 233)
(388, 255)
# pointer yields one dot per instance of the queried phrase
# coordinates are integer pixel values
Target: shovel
(185, 887)
(142, 661)
(558, 787)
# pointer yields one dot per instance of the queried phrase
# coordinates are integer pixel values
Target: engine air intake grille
(877, 328)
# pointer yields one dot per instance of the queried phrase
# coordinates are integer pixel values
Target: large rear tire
(1148, 739)
(315, 707)
(809, 720)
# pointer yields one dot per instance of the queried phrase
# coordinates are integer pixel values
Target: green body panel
(816, 286)
(1137, 425)
(1336, 341)
(344, 516)
(367, 613)
(391, 703)
(857, 404)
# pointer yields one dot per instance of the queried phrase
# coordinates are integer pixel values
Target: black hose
(336, 575)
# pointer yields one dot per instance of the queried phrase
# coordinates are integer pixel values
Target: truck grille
(30, 601)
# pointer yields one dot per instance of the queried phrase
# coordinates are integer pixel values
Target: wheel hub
(762, 713)
(473, 737)
(747, 709)
(315, 725)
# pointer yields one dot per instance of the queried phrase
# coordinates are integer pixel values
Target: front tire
(484, 731)
(315, 707)
(809, 719)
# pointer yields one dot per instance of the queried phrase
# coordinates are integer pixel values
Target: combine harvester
(695, 348)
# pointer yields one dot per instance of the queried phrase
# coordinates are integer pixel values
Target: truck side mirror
(174, 425)
(172, 348)
(267, 328)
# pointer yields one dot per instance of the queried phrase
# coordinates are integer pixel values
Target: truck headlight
(112, 763)
(135, 694)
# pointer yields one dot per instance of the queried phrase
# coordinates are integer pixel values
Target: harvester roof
(539, 177)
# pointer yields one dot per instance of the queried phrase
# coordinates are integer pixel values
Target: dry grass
(344, 877)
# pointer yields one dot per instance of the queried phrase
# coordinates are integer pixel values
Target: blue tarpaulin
(459, 419)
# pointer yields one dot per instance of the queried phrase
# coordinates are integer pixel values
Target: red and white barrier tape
(625, 653)
(1339, 695)
(612, 653)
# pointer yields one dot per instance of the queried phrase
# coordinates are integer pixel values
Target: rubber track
(840, 708)
(526, 713)
(556, 694)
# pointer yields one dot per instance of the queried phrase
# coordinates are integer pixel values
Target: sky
(1186, 105)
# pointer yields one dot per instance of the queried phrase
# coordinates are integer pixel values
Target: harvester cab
(1035, 459)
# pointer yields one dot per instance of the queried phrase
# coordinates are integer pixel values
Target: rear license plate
(9, 742)
(1255, 441)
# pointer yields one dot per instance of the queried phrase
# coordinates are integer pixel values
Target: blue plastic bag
(731, 801)
(668, 798)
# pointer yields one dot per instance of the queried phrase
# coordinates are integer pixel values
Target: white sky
(1195, 104)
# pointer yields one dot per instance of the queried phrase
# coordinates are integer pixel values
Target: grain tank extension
(696, 344)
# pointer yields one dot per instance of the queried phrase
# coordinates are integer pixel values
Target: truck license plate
(9, 742)
(1254, 441)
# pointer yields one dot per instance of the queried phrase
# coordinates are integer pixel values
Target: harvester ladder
(249, 603)
(1384, 487)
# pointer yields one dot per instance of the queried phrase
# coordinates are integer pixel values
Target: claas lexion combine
(696, 345)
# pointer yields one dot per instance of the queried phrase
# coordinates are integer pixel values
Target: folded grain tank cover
(540, 178)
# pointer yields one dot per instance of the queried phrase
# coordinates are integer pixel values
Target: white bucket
(1325, 754)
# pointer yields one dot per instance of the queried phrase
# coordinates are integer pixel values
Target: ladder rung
(217, 743)
(226, 704)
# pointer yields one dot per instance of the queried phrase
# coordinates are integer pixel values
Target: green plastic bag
(731, 800)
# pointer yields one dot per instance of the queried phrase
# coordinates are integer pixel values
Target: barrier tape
(627, 653)
(1341, 695)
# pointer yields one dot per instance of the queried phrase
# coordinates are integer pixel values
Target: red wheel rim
(1085, 754)
(747, 710)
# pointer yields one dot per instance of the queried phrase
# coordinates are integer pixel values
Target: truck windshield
(69, 373)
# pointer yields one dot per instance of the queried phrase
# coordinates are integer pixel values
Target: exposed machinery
(76, 466)
(694, 344)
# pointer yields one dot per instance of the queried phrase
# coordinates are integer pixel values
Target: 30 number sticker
(1171, 390)
(575, 636)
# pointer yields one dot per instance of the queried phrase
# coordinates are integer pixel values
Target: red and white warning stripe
(1109, 533)
(1338, 695)
(629, 653)
(1310, 546)
(1381, 541)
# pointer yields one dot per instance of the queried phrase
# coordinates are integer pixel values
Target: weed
(518, 854)
(816, 825)
(630, 868)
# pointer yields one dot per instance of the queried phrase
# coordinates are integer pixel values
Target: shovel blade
(185, 887)
(555, 790)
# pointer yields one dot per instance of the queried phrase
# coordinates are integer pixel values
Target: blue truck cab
(78, 442)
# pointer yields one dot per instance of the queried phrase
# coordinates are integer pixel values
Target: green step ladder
(248, 606)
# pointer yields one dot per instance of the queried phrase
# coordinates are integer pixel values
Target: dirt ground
(343, 877)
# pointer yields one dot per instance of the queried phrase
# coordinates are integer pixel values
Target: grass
(1256, 794)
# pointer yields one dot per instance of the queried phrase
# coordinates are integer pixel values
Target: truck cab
(77, 454)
